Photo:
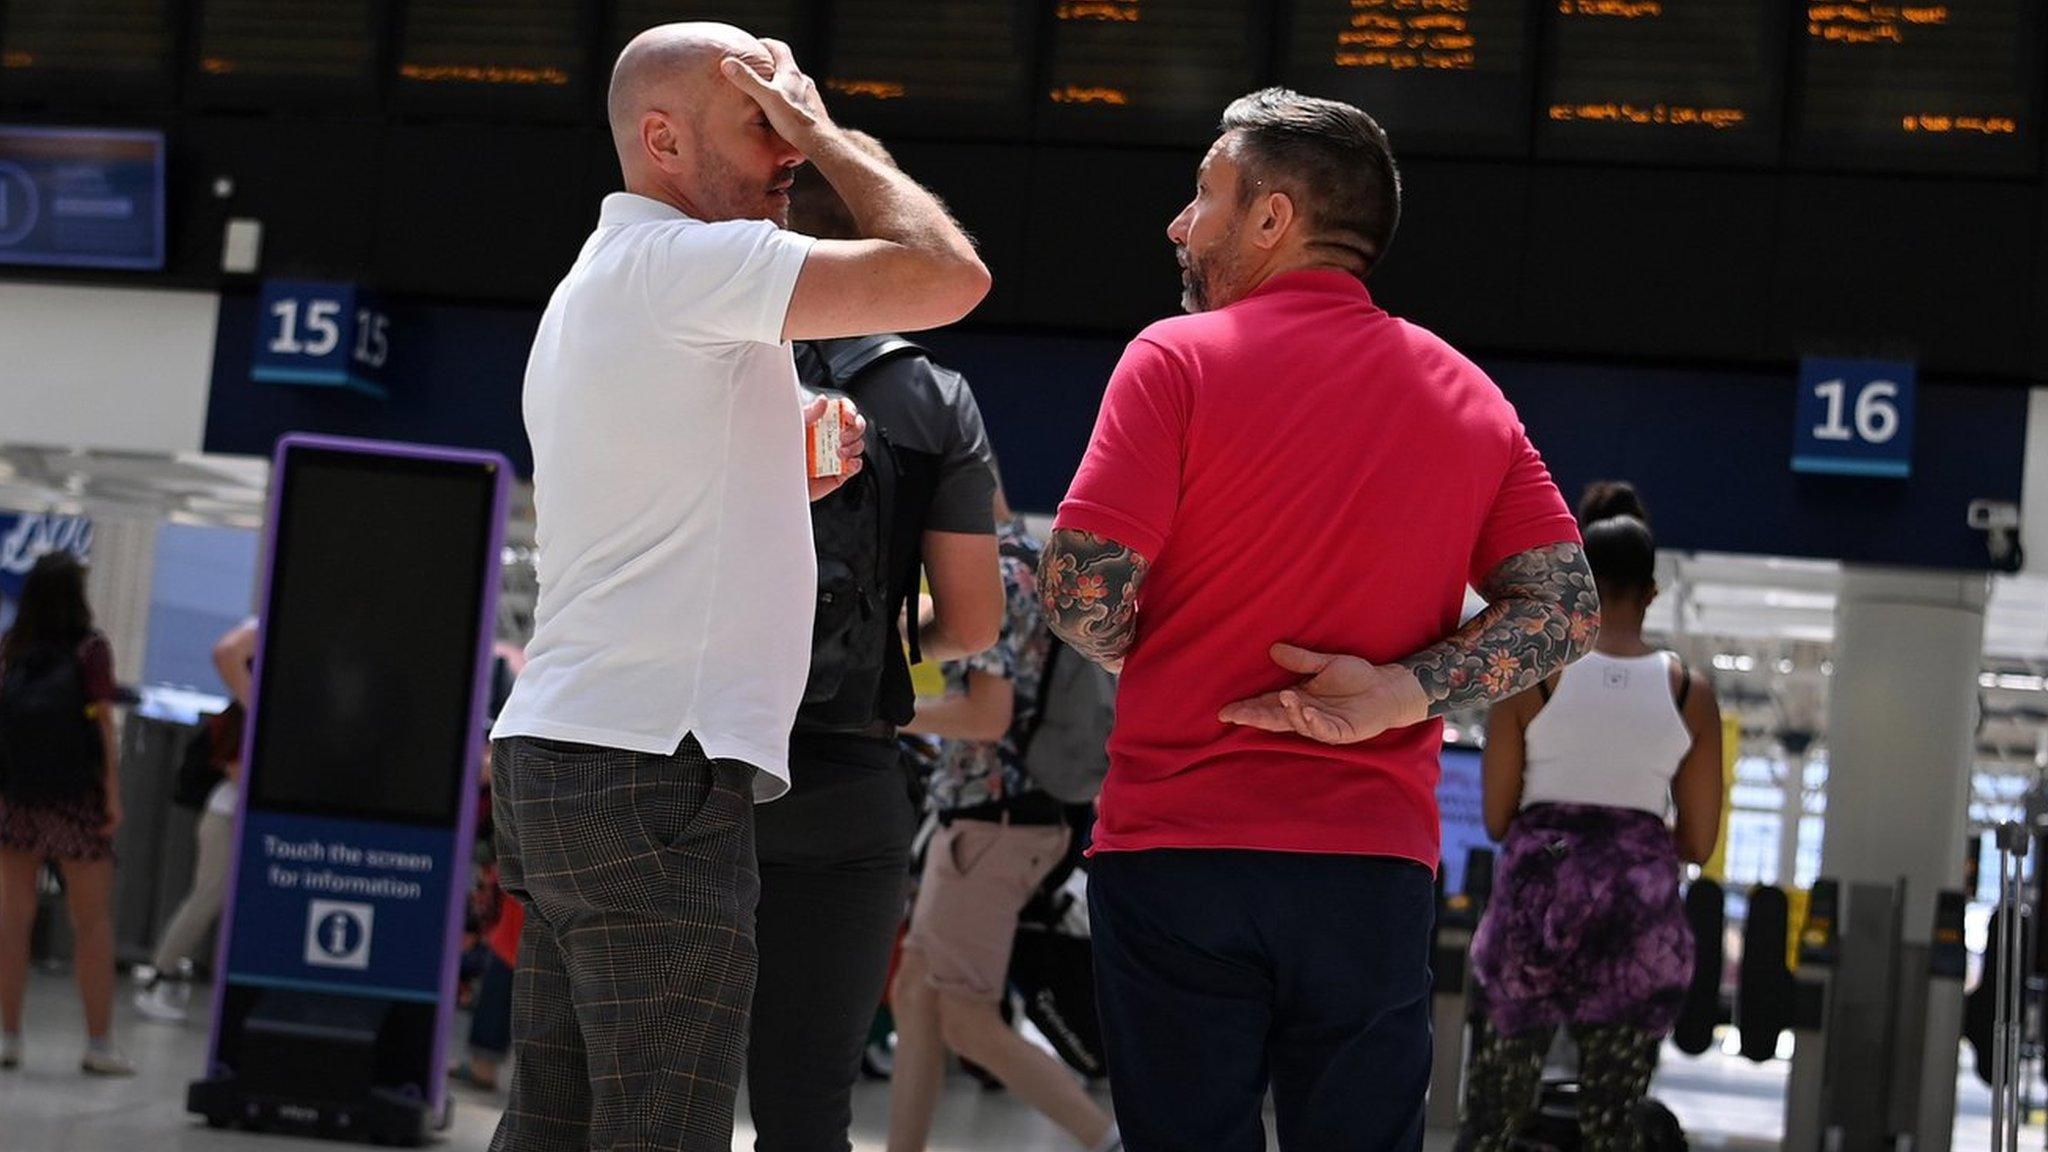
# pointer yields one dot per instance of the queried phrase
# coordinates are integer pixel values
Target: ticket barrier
(1876, 1021)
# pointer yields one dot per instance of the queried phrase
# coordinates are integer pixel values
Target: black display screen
(782, 20)
(1149, 70)
(1940, 87)
(1663, 81)
(271, 50)
(490, 56)
(117, 48)
(961, 66)
(1439, 77)
(371, 636)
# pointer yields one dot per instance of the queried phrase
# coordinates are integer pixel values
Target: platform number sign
(1855, 417)
(322, 334)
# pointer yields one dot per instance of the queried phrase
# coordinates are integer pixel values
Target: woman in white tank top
(1586, 930)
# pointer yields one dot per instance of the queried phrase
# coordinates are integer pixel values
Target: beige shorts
(977, 876)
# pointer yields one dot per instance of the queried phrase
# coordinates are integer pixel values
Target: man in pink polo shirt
(1291, 464)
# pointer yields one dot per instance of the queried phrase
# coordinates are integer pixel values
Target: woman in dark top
(60, 673)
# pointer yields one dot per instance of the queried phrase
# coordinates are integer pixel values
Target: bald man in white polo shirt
(677, 577)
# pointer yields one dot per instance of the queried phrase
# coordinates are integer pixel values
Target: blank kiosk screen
(371, 644)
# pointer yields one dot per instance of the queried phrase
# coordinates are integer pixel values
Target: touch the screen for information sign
(1438, 75)
(1954, 87)
(1159, 70)
(1670, 80)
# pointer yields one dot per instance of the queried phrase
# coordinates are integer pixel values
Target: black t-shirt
(929, 416)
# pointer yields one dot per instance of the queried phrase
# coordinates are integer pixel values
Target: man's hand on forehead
(771, 79)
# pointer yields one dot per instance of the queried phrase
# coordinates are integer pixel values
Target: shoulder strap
(1028, 734)
(845, 360)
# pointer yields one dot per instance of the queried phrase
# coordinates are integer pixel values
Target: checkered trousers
(636, 967)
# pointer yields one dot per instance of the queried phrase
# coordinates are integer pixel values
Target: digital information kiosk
(335, 978)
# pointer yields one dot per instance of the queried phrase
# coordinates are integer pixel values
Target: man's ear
(1274, 216)
(660, 142)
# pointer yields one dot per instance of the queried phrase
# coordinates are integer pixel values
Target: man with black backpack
(834, 852)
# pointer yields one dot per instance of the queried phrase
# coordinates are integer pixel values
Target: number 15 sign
(320, 333)
(1855, 417)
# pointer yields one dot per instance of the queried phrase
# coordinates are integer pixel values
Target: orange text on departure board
(216, 66)
(1616, 9)
(871, 89)
(1965, 125)
(1650, 115)
(1400, 35)
(17, 59)
(483, 74)
(1085, 94)
(1867, 22)
(1111, 11)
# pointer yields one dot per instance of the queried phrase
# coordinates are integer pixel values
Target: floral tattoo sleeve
(1089, 589)
(1542, 612)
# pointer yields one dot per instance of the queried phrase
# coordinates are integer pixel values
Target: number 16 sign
(1855, 417)
(321, 333)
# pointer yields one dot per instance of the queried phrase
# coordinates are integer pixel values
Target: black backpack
(867, 557)
(50, 749)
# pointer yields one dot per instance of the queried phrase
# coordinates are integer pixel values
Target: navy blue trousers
(1221, 973)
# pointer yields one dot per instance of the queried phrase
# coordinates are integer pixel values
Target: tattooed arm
(1089, 588)
(1541, 614)
(1542, 611)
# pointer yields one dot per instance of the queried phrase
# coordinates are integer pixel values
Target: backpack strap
(845, 360)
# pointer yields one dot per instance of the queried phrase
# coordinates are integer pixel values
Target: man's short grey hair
(1330, 157)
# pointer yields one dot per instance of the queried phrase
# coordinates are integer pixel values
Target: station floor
(1725, 1103)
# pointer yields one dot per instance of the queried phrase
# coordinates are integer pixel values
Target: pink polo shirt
(1299, 466)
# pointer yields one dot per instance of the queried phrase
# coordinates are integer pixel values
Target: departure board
(784, 20)
(268, 50)
(1951, 87)
(1149, 70)
(1441, 76)
(517, 57)
(115, 47)
(936, 65)
(1673, 81)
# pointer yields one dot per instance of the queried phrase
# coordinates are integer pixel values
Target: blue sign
(26, 536)
(321, 333)
(81, 198)
(1855, 417)
(348, 906)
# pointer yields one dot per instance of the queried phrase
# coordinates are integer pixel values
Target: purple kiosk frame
(334, 980)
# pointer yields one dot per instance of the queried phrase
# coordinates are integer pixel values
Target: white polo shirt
(677, 579)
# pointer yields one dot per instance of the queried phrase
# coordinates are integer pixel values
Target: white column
(1902, 718)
